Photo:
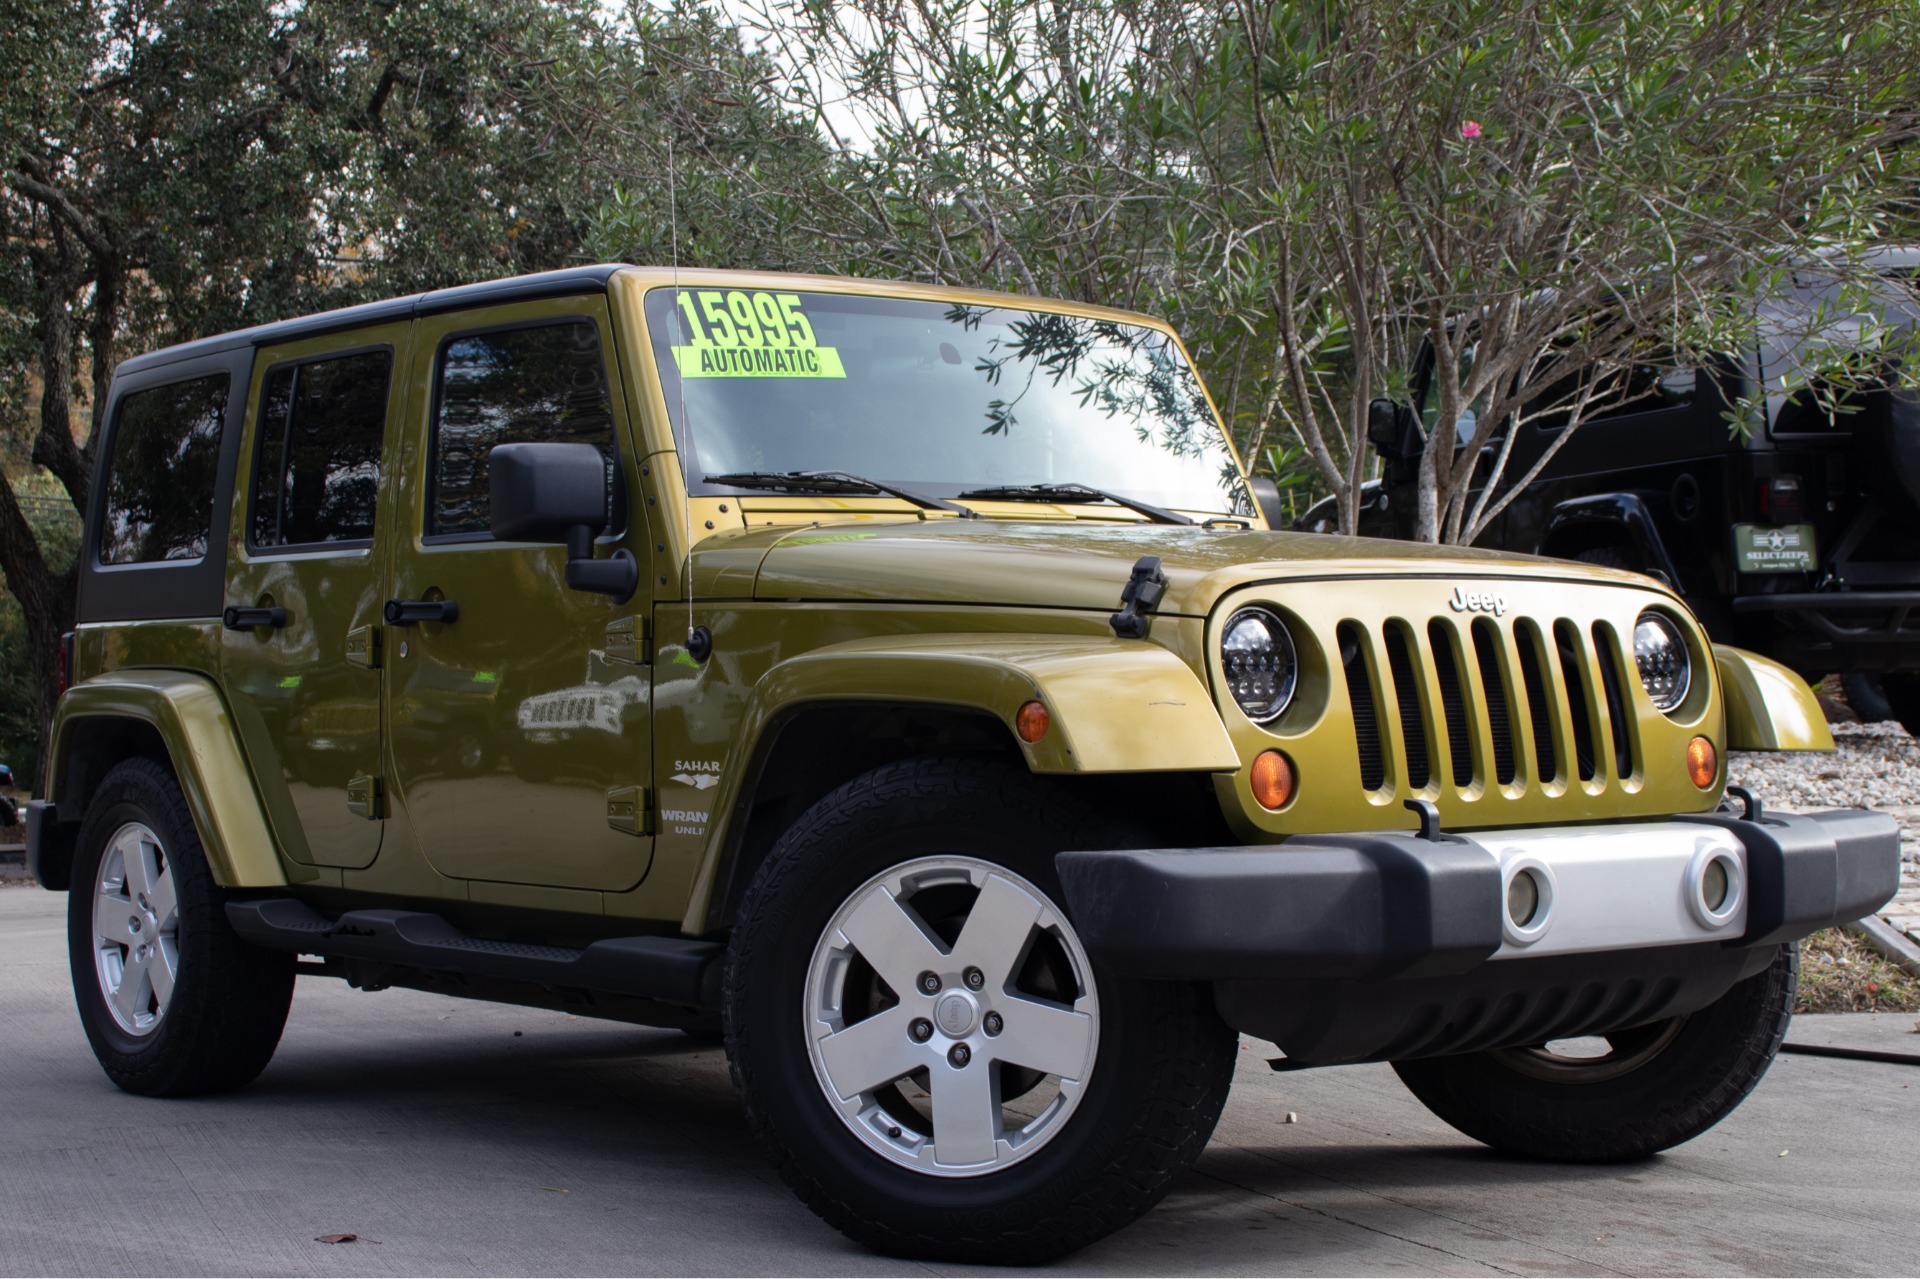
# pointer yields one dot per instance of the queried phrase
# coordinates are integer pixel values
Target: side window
(546, 384)
(318, 456)
(166, 454)
(1642, 388)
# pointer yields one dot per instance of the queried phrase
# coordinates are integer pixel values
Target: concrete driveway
(475, 1139)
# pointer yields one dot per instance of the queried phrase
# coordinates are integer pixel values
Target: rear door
(300, 655)
(521, 721)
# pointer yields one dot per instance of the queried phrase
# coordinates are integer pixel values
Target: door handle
(410, 612)
(246, 619)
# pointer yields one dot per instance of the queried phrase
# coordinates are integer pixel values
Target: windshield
(939, 397)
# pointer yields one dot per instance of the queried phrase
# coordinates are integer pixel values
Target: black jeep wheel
(172, 1001)
(1655, 1087)
(928, 1054)
(1611, 556)
(1902, 693)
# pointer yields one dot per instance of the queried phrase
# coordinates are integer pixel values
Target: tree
(173, 169)
(1549, 194)
(1022, 145)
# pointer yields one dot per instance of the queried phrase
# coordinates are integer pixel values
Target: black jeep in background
(1800, 541)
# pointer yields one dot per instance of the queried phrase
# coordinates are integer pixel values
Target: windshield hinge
(1139, 598)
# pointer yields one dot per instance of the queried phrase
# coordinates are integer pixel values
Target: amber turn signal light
(1032, 721)
(1273, 779)
(1703, 763)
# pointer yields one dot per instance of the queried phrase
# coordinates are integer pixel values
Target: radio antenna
(694, 646)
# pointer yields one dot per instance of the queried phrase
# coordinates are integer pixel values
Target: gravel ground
(1874, 766)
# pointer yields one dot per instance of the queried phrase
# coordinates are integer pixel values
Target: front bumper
(1387, 945)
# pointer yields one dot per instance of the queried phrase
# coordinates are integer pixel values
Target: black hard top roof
(519, 288)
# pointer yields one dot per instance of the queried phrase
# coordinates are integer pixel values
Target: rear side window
(166, 454)
(532, 385)
(319, 450)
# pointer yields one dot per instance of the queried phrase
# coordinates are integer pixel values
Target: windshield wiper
(834, 482)
(1075, 493)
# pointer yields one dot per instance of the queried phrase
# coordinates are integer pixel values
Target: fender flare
(1769, 708)
(1116, 706)
(1627, 512)
(192, 721)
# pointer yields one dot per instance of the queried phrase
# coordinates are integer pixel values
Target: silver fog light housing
(1660, 653)
(1528, 901)
(1257, 658)
(1716, 887)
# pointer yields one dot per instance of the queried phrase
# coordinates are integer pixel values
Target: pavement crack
(1269, 1157)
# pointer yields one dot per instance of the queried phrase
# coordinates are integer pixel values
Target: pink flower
(1471, 129)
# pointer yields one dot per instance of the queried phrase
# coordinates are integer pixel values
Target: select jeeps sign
(1782, 548)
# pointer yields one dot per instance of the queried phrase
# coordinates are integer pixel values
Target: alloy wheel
(136, 929)
(951, 1017)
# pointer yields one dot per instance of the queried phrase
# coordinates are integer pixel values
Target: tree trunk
(46, 599)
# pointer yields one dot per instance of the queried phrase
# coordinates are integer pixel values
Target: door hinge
(630, 809)
(630, 640)
(367, 797)
(363, 647)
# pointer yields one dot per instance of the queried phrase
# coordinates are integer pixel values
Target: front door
(520, 719)
(299, 652)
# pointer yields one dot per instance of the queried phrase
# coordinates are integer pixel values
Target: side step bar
(672, 970)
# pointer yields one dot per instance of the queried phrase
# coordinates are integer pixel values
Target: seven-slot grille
(1477, 706)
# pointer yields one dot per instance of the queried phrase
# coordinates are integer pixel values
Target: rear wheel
(1902, 694)
(1625, 1095)
(1611, 557)
(932, 1059)
(172, 1001)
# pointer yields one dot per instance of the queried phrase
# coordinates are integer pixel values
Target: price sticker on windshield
(742, 333)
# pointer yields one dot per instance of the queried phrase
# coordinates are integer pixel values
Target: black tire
(1161, 1067)
(228, 1002)
(1611, 557)
(1902, 694)
(1866, 699)
(1675, 1081)
(711, 1031)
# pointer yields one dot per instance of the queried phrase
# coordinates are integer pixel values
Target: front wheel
(932, 1059)
(1652, 1087)
(173, 1002)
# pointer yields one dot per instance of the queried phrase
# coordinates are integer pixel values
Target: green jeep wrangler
(904, 682)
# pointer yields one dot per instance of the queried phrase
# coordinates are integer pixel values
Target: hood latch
(1140, 597)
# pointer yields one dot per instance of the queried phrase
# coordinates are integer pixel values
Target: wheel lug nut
(993, 1024)
(960, 1054)
(921, 1030)
(929, 983)
(975, 979)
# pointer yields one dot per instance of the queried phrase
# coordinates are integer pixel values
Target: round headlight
(1256, 656)
(1660, 651)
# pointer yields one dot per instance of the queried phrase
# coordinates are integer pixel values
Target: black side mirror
(1266, 494)
(561, 493)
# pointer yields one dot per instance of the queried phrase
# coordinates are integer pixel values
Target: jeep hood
(1064, 565)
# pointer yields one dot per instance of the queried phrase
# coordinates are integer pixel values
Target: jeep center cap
(954, 1013)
